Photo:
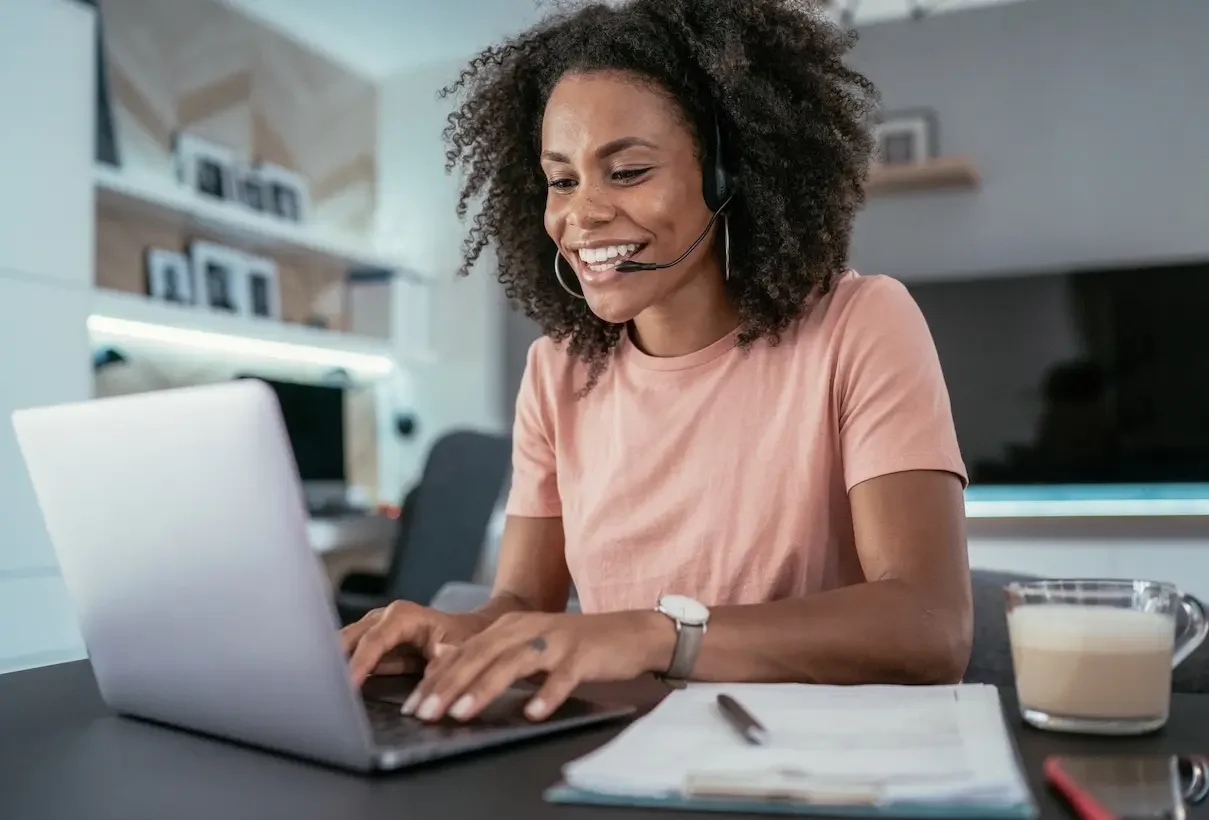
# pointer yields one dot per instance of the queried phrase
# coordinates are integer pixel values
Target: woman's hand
(400, 638)
(572, 648)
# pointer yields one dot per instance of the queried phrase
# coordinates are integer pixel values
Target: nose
(589, 206)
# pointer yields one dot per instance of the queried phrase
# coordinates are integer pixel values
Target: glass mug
(1095, 656)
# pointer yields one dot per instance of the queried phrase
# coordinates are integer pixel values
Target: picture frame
(250, 189)
(906, 137)
(220, 273)
(287, 193)
(262, 288)
(204, 166)
(169, 277)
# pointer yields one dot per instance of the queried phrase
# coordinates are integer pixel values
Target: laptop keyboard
(392, 728)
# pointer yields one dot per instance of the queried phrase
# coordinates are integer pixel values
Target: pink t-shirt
(724, 474)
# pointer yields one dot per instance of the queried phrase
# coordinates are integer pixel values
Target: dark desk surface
(63, 757)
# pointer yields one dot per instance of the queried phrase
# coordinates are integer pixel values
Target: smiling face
(624, 183)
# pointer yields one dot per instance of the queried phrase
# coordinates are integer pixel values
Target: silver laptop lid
(179, 525)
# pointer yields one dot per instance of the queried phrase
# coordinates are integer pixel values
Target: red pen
(1083, 803)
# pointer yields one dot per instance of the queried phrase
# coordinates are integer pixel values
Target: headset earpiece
(718, 183)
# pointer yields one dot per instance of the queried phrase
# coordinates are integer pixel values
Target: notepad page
(918, 743)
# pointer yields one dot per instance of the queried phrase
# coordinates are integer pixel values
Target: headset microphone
(636, 267)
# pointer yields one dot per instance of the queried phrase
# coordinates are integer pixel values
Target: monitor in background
(314, 420)
(1087, 378)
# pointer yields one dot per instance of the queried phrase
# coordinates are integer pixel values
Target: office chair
(441, 528)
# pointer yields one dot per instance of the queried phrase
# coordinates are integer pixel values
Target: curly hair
(794, 123)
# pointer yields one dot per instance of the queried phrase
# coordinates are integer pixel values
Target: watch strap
(684, 655)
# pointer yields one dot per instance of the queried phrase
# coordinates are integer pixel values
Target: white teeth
(595, 256)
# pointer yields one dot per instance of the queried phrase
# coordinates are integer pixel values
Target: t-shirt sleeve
(894, 408)
(534, 489)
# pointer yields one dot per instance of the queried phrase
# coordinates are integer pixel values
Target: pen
(742, 720)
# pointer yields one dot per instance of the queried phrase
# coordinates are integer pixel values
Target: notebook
(860, 751)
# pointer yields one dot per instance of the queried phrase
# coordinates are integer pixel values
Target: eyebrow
(606, 150)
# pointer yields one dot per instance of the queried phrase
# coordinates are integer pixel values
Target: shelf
(1088, 501)
(935, 174)
(127, 320)
(230, 222)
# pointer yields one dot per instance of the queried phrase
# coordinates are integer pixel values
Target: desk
(349, 531)
(352, 543)
(62, 757)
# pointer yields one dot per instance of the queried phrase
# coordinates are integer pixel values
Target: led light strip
(367, 364)
(1086, 507)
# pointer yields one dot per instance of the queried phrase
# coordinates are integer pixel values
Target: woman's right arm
(531, 575)
(531, 572)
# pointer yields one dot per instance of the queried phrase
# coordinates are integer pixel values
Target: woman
(754, 429)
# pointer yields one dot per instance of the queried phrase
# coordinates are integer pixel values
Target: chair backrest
(444, 519)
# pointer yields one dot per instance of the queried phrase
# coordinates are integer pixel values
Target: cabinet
(47, 100)
(43, 360)
(47, 94)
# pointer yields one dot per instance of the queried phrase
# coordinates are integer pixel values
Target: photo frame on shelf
(205, 167)
(286, 192)
(250, 188)
(906, 137)
(170, 277)
(220, 273)
(263, 294)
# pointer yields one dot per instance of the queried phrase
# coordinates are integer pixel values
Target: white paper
(913, 743)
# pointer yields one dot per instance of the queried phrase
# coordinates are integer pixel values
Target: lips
(597, 265)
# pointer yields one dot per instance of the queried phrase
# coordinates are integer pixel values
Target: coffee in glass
(1095, 656)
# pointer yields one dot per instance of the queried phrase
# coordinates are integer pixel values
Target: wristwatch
(690, 617)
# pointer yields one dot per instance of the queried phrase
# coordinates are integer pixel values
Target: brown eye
(629, 174)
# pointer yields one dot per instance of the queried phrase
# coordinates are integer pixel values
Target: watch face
(684, 609)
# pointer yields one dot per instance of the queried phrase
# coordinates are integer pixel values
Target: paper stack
(867, 745)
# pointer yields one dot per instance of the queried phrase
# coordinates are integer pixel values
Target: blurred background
(193, 191)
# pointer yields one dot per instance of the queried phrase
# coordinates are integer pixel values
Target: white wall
(1170, 549)
(871, 11)
(461, 388)
(47, 88)
(1052, 100)
(380, 38)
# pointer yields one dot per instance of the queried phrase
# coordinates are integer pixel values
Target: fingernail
(413, 700)
(536, 708)
(461, 708)
(441, 649)
(428, 709)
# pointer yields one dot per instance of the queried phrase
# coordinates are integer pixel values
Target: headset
(718, 181)
(718, 184)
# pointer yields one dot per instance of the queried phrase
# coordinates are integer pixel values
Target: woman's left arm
(910, 622)
(911, 619)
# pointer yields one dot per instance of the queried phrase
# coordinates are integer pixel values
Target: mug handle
(1195, 629)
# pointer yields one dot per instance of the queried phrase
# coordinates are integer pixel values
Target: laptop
(180, 527)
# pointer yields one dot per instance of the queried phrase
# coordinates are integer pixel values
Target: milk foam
(1070, 627)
